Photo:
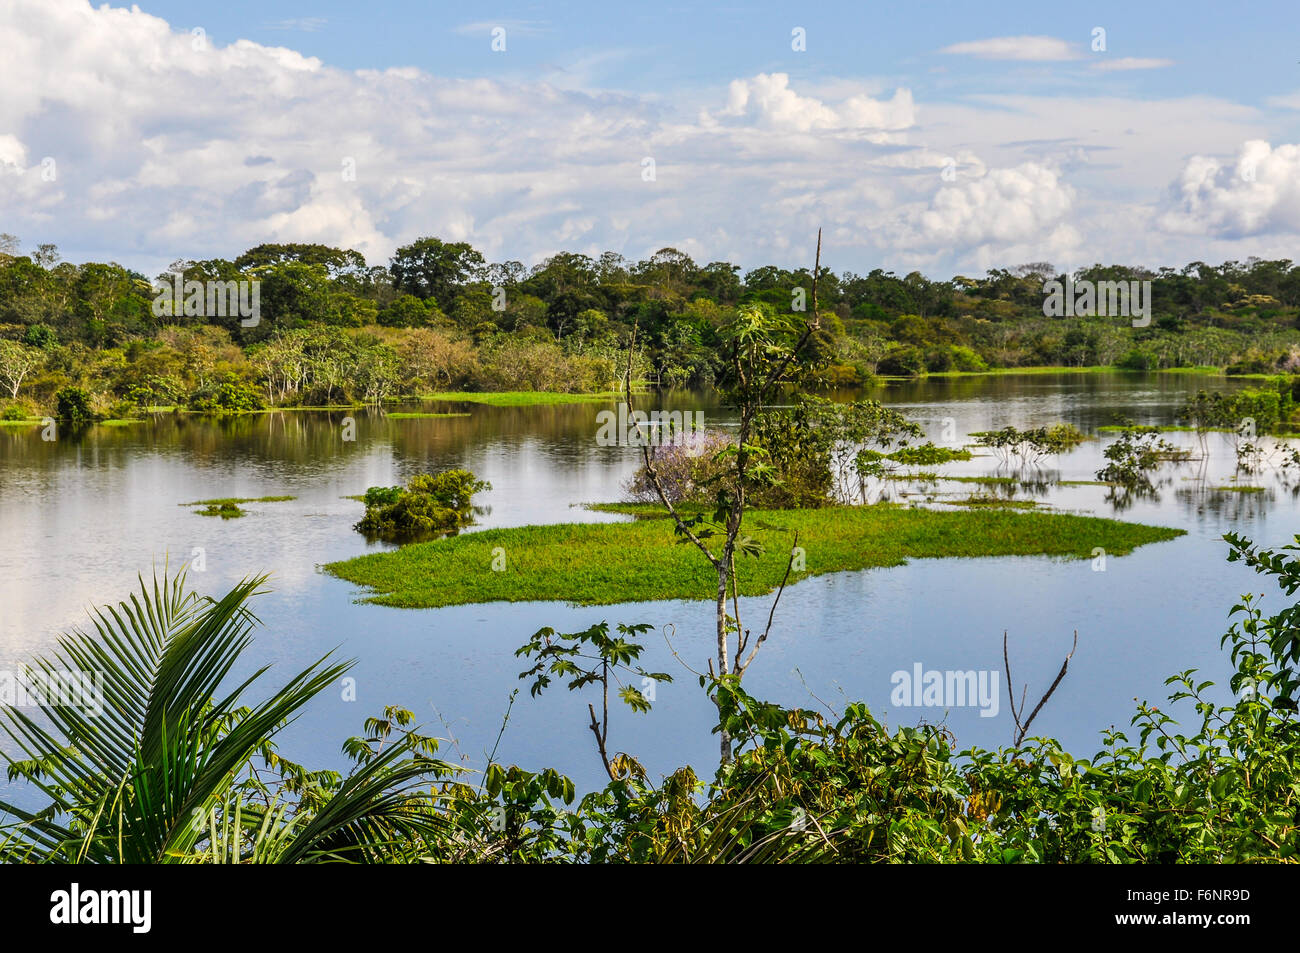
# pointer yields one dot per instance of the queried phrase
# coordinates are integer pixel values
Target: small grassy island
(640, 561)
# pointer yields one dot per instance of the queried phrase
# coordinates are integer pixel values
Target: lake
(81, 515)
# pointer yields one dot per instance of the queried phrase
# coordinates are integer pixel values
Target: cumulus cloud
(768, 100)
(168, 143)
(124, 138)
(1258, 193)
(1033, 48)
(1025, 205)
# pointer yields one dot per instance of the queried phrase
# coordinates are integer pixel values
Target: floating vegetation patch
(928, 454)
(227, 511)
(640, 560)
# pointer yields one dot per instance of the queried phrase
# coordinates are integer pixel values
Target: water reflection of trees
(1204, 499)
(316, 438)
(1122, 498)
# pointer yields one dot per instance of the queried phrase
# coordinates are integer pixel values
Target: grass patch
(519, 398)
(640, 561)
(29, 422)
(121, 422)
(1088, 483)
(236, 500)
(419, 416)
(1240, 489)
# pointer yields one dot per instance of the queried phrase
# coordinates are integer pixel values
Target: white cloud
(165, 150)
(1131, 63)
(767, 100)
(12, 152)
(1034, 48)
(1025, 205)
(1289, 101)
(1258, 193)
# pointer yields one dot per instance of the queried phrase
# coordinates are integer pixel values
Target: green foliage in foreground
(162, 773)
(178, 769)
(609, 563)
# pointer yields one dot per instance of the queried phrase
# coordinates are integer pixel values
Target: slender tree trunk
(725, 738)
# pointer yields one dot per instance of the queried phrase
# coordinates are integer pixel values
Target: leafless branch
(1023, 728)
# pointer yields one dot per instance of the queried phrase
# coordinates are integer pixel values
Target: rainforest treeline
(439, 316)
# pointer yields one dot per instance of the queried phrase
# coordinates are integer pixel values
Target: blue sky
(1243, 51)
(945, 137)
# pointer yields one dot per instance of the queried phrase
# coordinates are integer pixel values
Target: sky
(948, 138)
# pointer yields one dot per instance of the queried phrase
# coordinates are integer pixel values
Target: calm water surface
(79, 517)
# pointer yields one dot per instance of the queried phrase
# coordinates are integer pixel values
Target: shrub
(156, 389)
(843, 375)
(433, 504)
(902, 361)
(1251, 365)
(72, 405)
(965, 359)
(229, 395)
(1138, 360)
(1133, 457)
(40, 335)
(383, 495)
(928, 454)
(1027, 447)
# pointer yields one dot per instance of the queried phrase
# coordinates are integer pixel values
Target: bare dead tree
(1023, 727)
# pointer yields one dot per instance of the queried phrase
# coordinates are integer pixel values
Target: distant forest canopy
(439, 316)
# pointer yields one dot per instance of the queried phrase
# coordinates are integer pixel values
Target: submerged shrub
(1135, 455)
(432, 504)
(1027, 447)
